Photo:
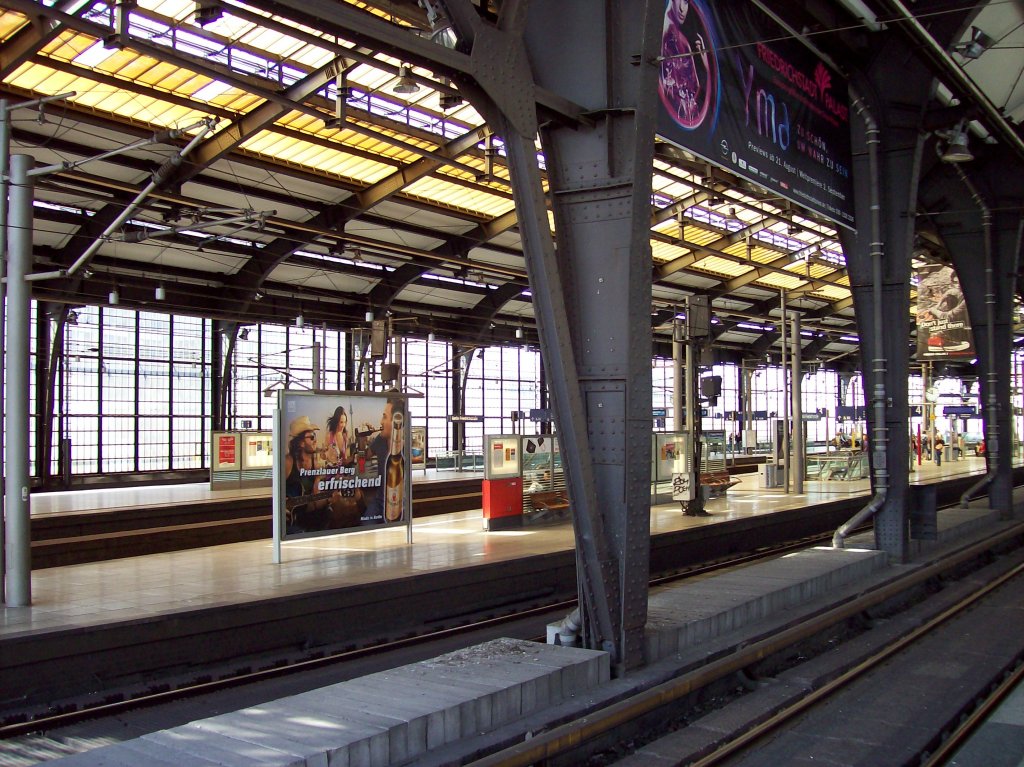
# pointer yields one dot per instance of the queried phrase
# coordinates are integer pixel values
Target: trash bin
(769, 475)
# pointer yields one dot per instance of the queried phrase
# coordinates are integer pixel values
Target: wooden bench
(717, 482)
(554, 500)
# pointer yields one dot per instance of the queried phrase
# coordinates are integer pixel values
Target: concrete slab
(386, 718)
(211, 747)
(687, 615)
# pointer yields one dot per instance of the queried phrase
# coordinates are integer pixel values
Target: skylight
(94, 55)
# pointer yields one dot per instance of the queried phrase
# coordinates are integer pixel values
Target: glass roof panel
(669, 227)
(459, 197)
(10, 22)
(312, 56)
(720, 267)
(174, 9)
(701, 236)
(779, 281)
(663, 252)
(331, 161)
(831, 294)
(274, 43)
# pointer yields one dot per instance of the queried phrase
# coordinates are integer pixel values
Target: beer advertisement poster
(737, 90)
(345, 462)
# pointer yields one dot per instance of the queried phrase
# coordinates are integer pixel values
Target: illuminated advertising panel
(738, 91)
(344, 463)
(943, 328)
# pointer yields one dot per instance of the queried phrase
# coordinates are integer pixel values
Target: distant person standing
(940, 445)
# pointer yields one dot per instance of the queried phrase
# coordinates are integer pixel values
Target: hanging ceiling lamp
(406, 84)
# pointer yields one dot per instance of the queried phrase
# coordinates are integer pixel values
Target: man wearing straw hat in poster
(306, 509)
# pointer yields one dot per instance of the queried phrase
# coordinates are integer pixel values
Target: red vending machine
(503, 483)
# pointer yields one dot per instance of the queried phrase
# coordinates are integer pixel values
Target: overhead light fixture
(441, 31)
(431, 337)
(244, 335)
(448, 100)
(490, 154)
(160, 293)
(257, 296)
(114, 298)
(300, 321)
(72, 317)
(406, 84)
(977, 45)
(207, 12)
(519, 332)
(369, 315)
(956, 148)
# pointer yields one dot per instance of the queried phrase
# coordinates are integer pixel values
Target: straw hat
(300, 425)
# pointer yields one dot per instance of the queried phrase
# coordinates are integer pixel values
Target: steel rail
(571, 735)
(961, 734)
(822, 694)
(62, 719)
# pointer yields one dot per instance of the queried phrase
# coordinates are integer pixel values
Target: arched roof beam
(351, 23)
(487, 308)
(383, 294)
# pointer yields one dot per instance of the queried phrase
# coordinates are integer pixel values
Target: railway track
(78, 727)
(879, 679)
(237, 690)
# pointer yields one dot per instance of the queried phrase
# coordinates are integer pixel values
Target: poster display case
(257, 451)
(241, 459)
(669, 459)
(341, 464)
(501, 456)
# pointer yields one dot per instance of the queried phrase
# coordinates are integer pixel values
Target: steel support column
(600, 180)
(592, 297)
(982, 231)
(17, 504)
(897, 192)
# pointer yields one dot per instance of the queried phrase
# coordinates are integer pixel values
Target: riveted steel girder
(976, 209)
(600, 184)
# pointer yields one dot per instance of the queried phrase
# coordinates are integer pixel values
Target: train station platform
(107, 620)
(479, 697)
(92, 525)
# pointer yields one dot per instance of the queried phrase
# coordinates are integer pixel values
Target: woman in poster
(688, 84)
(339, 439)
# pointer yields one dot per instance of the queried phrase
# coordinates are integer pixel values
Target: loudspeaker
(378, 339)
(698, 317)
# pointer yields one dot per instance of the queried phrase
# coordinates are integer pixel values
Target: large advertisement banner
(943, 328)
(344, 463)
(736, 90)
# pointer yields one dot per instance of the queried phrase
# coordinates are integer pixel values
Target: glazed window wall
(427, 369)
(134, 394)
(501, 379)
(273, 357)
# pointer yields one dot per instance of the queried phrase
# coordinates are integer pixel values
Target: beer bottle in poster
(394, 493)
